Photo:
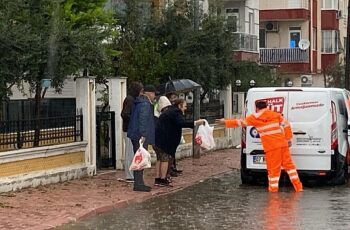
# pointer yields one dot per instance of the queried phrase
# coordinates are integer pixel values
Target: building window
(330, 39)
(262, 38)
(294, 3)
(329, 4)
(294, 36)
(251, 23)
(232, 19)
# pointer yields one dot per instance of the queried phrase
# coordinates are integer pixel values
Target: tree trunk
(37, 114)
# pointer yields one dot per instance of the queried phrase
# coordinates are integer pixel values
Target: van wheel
(246, 178)
(346, 170)
(341, 174)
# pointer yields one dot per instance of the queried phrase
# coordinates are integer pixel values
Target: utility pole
(347, 52)
(196, 150)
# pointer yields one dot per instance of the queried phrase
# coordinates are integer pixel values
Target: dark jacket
(169, 130)
(142, 121)
(128, 103)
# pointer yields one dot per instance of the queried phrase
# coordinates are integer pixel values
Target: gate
(105, 140)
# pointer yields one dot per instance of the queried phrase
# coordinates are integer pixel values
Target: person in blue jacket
(141, 126)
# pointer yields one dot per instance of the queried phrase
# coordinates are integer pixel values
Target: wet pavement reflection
(223, 203)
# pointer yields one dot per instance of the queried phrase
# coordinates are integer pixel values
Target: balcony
(283, 55)
(245, 42)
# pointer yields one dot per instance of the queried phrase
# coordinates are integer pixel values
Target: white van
(319, 120)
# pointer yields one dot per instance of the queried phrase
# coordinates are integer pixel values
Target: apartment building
(242, 16)
(320, 25)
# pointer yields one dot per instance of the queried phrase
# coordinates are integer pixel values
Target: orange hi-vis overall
(275, 132)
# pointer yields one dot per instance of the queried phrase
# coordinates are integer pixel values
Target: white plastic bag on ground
(204, 136)
(141, 160)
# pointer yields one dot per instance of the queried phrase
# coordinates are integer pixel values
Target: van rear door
(277, 102)
(310, 114)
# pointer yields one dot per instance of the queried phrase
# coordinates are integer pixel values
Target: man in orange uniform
(275, 133)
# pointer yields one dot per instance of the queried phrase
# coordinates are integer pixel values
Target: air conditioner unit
(306, 80)
(271, 26)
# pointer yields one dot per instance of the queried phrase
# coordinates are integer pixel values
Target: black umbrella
(178, 85)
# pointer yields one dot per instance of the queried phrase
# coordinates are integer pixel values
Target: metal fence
(17, 134)
(210, 111)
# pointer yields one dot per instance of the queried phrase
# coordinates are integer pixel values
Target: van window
(341, 104)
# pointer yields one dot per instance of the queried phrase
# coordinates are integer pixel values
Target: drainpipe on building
(311, 26)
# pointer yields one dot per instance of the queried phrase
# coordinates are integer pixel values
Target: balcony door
(294, 36)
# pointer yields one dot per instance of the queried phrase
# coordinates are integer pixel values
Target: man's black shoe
(142, 188)
(165, 182)
(157, 181)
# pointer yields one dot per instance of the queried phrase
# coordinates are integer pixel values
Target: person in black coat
(134, 91)
(169, 128)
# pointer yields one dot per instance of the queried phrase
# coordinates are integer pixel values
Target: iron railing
(245, 42)
(17, 134)
(283, 55)
(210, 112)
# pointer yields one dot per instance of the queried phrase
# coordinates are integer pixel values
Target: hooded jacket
(141, 121)
(273, 129)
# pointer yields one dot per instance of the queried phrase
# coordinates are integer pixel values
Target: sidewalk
(53, 205)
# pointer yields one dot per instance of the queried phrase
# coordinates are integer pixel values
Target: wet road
(222, 203)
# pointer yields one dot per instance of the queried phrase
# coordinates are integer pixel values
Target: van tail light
(244, 129)
(244, 138)
(334, 132)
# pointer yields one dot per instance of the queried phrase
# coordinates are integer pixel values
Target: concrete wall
(45, 165)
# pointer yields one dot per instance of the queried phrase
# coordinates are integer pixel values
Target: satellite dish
(304, 44)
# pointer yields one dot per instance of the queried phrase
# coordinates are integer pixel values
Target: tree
(262, 75)
(51, 39)
(334, 75)
(207, 55)
(171, 46)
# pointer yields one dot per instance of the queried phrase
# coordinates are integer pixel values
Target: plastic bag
(204, 136)
(141, 160)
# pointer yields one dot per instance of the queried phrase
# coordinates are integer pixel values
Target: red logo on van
(274, 103)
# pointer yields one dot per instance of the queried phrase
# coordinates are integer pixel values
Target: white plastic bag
(204, 136)
(141, 160)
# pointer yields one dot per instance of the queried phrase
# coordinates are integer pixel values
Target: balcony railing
(245, 42)
(284, 4)
(283, 55)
